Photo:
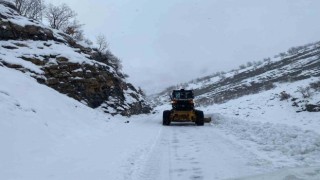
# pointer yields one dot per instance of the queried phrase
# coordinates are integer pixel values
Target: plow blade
(207, 119)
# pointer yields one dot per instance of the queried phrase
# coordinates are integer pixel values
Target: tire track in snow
(185, 151)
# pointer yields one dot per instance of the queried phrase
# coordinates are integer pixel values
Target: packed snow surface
(47, 135)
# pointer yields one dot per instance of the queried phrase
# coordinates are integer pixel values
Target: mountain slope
(297, 64)
(47, 135)
(70, 67)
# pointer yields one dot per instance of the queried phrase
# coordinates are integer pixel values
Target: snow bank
(37, 124)
(267, 107)
(299, 147)
(47, 135)
(309, 173)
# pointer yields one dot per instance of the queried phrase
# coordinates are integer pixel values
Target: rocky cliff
(72, 68)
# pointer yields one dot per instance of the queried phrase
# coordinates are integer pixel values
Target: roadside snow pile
(35, 120)
(309, 173)
(300, 147)
(268, 107)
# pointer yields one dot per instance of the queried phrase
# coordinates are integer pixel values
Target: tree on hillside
(74, 29)
(249, 64)
(102, 43)
(282, 55)
(32, 9)
(267, 60)
(142, 92)
(59, 17)
(106, 56)
(115, 61)
(242, 66)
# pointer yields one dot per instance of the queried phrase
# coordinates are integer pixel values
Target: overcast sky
(166, 42)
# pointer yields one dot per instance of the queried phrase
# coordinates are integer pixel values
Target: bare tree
(143, 94)
(115, 61)
(60, 16)
(282, 55)
(32, 9)
(74, 29)
(267, 60)
(102, 43)
(88, 42)
(242, 66)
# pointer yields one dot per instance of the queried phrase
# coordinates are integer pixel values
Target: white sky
(166, 42)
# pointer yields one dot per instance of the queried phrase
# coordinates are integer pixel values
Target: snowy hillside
(70, 67)
(298, 63)
(47, 135)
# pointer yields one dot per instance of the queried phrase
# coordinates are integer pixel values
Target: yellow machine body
(183, 116)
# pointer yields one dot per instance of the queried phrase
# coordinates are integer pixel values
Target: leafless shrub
(242, 66)
(267, 60)
(143, 94)
(32, 9)
(74, 29)
(102, 43)
(282, 55)
(222, 75)
(284, 96)
(60, 16)
(249, 64)
(295, 50)
(315, 86)
(115, 61)
(88, 41)
(305, 91)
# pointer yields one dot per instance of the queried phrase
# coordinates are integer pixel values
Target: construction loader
(183, 109)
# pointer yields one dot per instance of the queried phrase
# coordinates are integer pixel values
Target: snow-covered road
(143, 149)
(185, 151)
(226, 148)
(46, 135)
(219, 150)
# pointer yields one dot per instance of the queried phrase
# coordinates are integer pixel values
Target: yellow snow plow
(183, 109)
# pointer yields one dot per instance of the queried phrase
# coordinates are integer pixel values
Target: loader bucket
(207, 119)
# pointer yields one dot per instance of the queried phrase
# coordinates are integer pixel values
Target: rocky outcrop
(56, 60)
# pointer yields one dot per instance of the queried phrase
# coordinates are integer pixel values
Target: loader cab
(182, 94)
(182, 100)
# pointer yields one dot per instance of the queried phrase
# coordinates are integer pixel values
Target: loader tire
(200, 118)
(166, 118)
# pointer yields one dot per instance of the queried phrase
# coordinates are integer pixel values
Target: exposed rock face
(312, 108)
(58, 61)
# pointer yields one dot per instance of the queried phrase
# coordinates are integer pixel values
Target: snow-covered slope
(301, 63)
(66, 65)
(35, 121)
(47, 135)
